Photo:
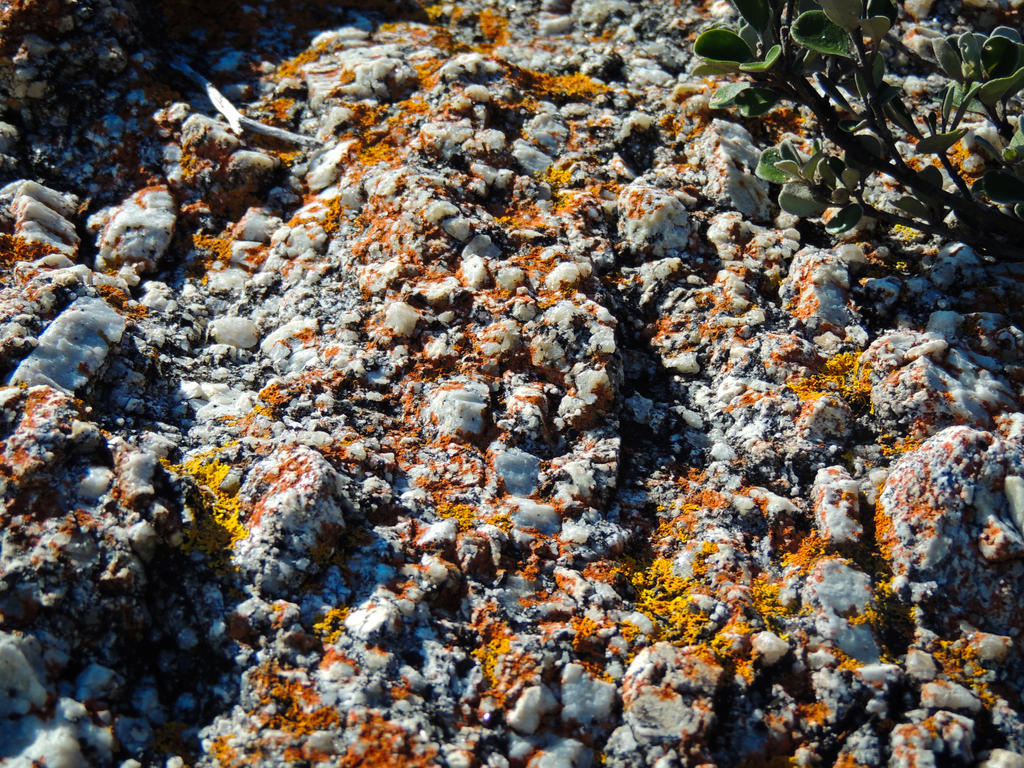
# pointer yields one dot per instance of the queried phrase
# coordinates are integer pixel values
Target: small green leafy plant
(831, 56)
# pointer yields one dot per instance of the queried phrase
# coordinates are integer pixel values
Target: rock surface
(499, 419)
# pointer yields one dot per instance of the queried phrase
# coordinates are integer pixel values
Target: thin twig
(236, 119)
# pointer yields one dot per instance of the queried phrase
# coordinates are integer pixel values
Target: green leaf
(963, 102)
(845, 13)
(789, 152)
(715, 68)
(754, 101)
(1008, 32)
(870, 143)
(789, 169)
(1003, 87)
(939, 143)
(749, 35)
(914, 207)
(799, 199)
(829, 170)
(722, 45)
(1000, 56)
(763, 66)
(948, 59)
(850, 178)
(876, 27)
(877, 70)
(863, 89)
(807, 169)
(766, 166)
(931, 175)
(833, 92)
(970, 52)
(840, 196)
(885, 8)
(852, 126)
(947, 104)
(991, 151)
(848, 218)
(887, 93)
(757, 13)
(725, 95)
(897, 111)
(813, 30)
(1000, 187)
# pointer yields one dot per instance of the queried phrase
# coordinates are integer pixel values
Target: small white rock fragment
(584, 697)
(769, 647)
(234, 331)
(836, 505)
(73, 347)
(531, 704)
(943, 694)
(518, 471)
(920, 665)
(458, 407)
(401, 318)
(370, 619)
(1002, 758)
(530, 514)
(137, 232)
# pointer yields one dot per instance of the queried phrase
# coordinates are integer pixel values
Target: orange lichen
(223, 754)
(121, 301)
(810, 551)
(558, 88)
(288, 703)
(815, 713)
(589, 648)
(14, 248)
(494, 28)
(382, 743)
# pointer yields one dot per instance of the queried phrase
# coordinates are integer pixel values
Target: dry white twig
(236, 119)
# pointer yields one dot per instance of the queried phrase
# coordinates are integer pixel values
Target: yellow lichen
(330, 625)
(463, 514)
(905, 234)
(664, 598)
(765, 596)
(842, 375)
(961, 663)
(489, 655)
(891, 445)
(494, 27)
(502, 521)
(216, 525)
(289, 704)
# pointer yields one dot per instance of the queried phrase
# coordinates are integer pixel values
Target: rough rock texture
(502, 421)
